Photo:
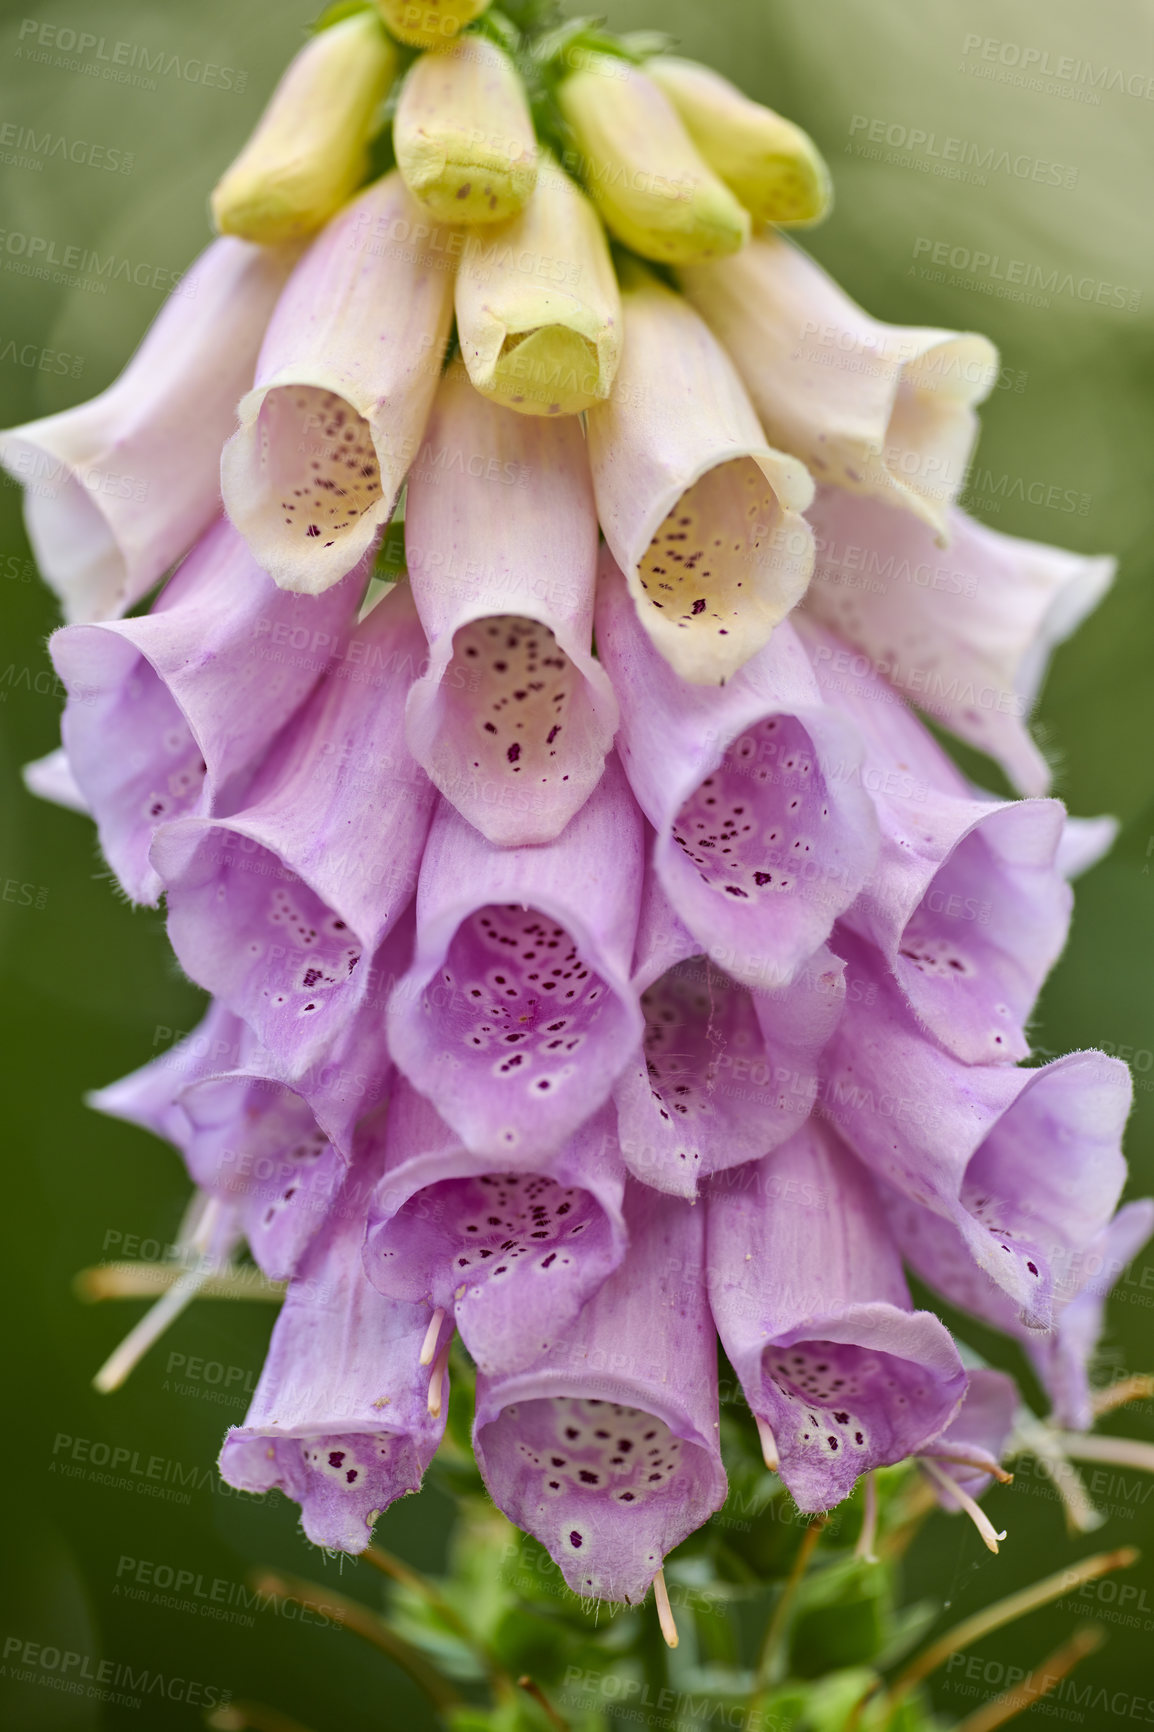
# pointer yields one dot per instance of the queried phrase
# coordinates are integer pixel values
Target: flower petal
(541, 347)
(512, 1255)
(169, 709)
(966, 634)
(50, 778)
(463, 135)
(966, 903)
(1026, 1164)
(981, 1429)
(701, 515)
(880, 409)
(309, 152)
(518, 1014)
(343, 387)
(607, 1451)
(340, 1419)
(514, 717)
(654, 191)
(762, 837)
(723, 1075)
(276, 908)
(807, 1291)
(120, 487)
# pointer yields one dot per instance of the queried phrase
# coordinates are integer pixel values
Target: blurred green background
(90, 989)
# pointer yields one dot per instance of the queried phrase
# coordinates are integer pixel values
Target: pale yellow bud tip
(538, 309)
(428, 23)
(772, 166)
(654, 189)
(463, 134)
(309, 152)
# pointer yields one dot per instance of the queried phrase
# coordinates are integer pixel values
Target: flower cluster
(604, 957)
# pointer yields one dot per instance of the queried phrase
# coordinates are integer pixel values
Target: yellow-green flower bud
(538, 308)
(428, 23)
(309, 152)
(463, 134)
(653, 189)
(774, 167)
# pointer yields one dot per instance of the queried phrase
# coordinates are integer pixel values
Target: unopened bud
(538, 309)
(463, 134)
(774, 167)
(309, 152)
(428, 23)
(652, 187)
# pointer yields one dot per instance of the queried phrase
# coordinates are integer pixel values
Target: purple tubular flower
(246, 1138)
(120, 487)
(607, 1452)
(967, 632)
(1062, 1358)
(899, 424)
(1083, 1273)
(702, 516)
(971, 1447)
(967, 903)
(340, 1421)
(723, 1075)
(514, 718)
(150, 1097)
(1026, 1164)
(256, 1143)
(273, 908)
(167, 711)
(764, 833)
(1085, 841)
(343, 386)
(512, 1256)
(806, 1287)
(518, 1014)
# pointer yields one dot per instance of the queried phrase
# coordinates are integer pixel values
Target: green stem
(770, 1661)
(500, 1681)
(1005, 1611)
(252, 1717)
(1053, 1669)
(367, 1624)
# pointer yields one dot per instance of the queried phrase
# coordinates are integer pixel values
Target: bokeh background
(1058, 99)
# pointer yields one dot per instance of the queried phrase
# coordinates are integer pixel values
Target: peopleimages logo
(1031, 65)
(1015, 279)
(118, 62)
